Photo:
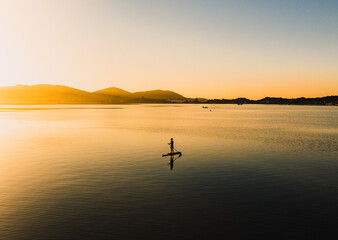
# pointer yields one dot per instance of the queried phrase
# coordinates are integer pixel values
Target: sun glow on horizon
(199, 49)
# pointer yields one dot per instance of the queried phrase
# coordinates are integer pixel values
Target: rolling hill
(159, 94)
(44, 94)
(150, 95)
(113, 91)
(57, 94)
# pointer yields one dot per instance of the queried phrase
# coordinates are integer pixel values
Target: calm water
(96, 172)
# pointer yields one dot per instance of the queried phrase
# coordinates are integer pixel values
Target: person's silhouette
(171, 145)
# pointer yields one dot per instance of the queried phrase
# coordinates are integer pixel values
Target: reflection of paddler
(171, 145)
(171, 162)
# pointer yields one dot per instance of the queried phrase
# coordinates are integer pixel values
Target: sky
(209, 48)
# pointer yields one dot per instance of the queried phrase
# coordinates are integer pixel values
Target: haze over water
(96, 171)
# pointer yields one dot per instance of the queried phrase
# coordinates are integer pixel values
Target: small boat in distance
(205, 107)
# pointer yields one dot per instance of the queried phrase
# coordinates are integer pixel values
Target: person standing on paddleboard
(171, 145)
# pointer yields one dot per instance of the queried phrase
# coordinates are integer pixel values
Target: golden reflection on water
(68, 155)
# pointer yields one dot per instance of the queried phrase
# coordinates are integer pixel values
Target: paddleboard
(170, 154)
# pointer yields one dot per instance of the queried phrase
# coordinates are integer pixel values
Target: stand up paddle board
(171, 154)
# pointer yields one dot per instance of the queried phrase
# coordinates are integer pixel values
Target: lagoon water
(97, 172)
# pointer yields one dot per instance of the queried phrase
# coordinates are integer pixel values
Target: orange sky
(214, 49)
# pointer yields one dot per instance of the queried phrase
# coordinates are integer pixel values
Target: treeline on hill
(329, 100)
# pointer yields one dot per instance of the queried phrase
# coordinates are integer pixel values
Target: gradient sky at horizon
(214, 49)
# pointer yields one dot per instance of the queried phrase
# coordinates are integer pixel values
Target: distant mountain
(329, 100)
(113, 91)
(57, 94)
(45, 94)
(159, 94)
(150, 95)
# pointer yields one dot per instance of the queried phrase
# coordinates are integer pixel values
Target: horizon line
(220, 98)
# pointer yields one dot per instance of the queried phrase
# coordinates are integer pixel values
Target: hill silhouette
(58, 94)
(159, 94)
(328, 100)
(44, 94)
(114, 91)
(150, 95)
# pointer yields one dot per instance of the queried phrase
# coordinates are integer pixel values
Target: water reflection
(249, 171)
(172, 159)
